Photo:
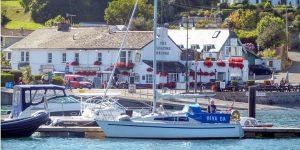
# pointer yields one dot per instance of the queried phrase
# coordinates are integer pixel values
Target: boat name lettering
(215, 118)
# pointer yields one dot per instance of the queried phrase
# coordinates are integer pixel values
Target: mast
(121, 48)
(154, 55)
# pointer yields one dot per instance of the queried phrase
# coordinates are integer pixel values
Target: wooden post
(251, 101)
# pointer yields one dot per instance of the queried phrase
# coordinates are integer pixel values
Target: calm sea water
(280, 118)
(134, 144)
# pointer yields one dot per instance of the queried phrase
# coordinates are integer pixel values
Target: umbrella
(287, 77)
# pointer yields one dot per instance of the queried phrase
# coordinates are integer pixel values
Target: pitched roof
(202, 37)
(83, 38)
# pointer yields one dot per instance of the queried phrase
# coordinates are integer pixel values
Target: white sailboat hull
(129, 129)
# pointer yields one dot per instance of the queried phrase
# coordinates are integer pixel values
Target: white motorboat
(28, 99)
(191, 122)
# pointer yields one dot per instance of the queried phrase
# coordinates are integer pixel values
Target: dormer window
(195, 46)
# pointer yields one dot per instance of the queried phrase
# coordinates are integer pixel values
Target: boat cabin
(25, 96)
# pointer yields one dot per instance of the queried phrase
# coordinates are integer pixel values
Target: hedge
(57, 80)
(250, 82)
(17, 74)
(234, 82)
(37, 77)
(6, 77)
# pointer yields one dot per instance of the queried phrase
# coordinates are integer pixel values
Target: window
(149, 78)
(9, 56)
(24, 56)
(123, 56)
(195, 46)
(136, 78)
(233, 42)
(64, 57)
(77, 57)
(227, 51)
(216, 34)
(172, 77)
(99, 57)
(129, 56)
(208, 47)
(49, 57)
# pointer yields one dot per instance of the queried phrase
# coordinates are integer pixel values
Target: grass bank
(19, 18)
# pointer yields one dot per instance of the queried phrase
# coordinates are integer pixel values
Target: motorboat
(190, 123)
(28, 99)
(23, 127)
(252, 122)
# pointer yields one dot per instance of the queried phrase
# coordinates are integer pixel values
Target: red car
(77, 81)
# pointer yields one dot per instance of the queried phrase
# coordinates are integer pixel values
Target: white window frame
(136, 78)
(24, 56)
(149, 78)
(123, 56)
(50, 57)
(8, 56)
(76, 58)
(129, 56)
(233, 42)
(172, 77)
(99, 57)
(64, 57)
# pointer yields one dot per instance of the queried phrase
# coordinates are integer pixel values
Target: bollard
(251, 101)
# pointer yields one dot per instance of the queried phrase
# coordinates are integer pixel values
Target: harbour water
(35, 143)
(279, 118)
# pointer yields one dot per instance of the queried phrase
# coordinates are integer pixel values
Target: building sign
(76, 69)
(47, 68)
(163, 49)
(222, 85)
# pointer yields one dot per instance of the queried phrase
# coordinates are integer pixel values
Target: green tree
(271, 36)
(4, 18)
(4, 62)
(248, 19)
(267, 5)
(201, 24)
(296, 22)
(141, 24)
(54, 21)
(267, 20)
(118, 11)
(234, 19)
(27, 77)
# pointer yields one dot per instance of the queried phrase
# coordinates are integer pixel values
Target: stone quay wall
(268, 98)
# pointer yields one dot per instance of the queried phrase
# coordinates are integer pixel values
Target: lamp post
(200, 81)
(186, 55)
(215, 75)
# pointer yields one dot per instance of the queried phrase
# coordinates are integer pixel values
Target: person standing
(212, 108)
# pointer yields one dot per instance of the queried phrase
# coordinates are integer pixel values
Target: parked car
(259, 70)
(77, 81)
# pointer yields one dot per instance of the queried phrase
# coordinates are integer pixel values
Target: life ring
(235, 115)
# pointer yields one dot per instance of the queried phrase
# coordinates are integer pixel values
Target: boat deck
(96, 132)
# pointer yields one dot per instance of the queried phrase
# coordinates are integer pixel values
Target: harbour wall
(268, 98)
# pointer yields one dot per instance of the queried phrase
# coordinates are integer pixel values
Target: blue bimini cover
(194, 112)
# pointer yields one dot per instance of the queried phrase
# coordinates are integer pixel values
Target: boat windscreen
(63, 100)
(38, 95)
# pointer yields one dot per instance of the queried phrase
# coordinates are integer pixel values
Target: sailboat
(189, 123)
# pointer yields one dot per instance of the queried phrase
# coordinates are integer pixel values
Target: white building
(294, 3)
(92, 51)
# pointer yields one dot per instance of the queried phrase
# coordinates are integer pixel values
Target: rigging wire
(121, 48)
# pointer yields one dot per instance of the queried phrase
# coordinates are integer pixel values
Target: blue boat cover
(194, 112)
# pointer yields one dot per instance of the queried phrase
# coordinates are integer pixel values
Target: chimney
(64, 25)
